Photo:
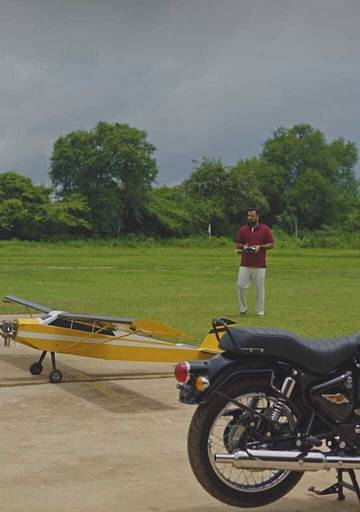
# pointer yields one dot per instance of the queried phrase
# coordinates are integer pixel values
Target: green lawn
(309, 291)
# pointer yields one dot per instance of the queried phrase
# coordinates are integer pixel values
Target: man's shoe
(243, 313)
(260, 315)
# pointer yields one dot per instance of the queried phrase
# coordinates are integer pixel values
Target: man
(252, 241)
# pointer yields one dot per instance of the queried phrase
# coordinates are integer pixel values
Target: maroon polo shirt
(258, 235)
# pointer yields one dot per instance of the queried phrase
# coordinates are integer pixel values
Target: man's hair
(254, 210)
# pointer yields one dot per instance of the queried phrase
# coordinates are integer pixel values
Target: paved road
(111, 437)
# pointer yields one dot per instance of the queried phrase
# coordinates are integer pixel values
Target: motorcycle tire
(204, 469)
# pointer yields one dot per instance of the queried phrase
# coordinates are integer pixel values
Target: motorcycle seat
(319, 356)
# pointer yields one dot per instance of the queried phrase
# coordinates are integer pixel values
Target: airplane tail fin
(210, 343)
(157, 328)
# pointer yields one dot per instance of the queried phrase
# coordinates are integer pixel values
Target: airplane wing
(65, 314)
(27, 303)
(95, 318)
(148, 327)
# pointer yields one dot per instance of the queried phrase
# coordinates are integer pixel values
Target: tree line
(103, 184)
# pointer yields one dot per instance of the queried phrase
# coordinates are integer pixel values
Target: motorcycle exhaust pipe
(287, 460)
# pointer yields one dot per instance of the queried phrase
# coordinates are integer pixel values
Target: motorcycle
(271, 406)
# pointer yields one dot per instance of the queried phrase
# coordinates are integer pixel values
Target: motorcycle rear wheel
(212, 431)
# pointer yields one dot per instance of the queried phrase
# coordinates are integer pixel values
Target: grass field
(312, 292)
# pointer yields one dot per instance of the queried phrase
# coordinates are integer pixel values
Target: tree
(297, 149)
(315, 199)
(206, 186)
(269, 179)
(171, 212)
(228, 192)
(207, 180)
(351, 219)
(302, 147)
(67, 217)
(345, 157)
(112, 167)
(305, 160)
(242, 192)
(27, 212)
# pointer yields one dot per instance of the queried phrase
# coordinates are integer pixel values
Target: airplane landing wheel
(55, 376)
(36, 368)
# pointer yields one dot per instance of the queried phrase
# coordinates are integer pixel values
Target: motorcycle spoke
(226, 434)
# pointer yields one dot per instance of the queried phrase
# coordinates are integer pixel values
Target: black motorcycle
(271, 406)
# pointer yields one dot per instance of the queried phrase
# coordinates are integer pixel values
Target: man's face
(253, 218)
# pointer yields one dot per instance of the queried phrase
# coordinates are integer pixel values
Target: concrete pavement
(111, 437)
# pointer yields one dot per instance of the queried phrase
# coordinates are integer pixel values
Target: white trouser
(257, 275)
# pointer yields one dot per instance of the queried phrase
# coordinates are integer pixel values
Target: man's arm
(240, 242)
(265, 247)
(240, 245)
(269, 244)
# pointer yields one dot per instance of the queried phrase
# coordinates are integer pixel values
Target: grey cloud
(204, 78)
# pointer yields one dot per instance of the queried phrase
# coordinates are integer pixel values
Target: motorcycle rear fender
(233, 373)
(220, 370)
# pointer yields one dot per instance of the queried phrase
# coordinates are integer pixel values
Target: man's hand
(240, 248)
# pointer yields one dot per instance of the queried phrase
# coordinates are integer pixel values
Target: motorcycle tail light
(182, 372)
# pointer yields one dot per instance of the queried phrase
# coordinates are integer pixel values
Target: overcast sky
(207, 78)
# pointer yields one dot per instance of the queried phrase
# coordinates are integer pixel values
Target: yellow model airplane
(104, 337)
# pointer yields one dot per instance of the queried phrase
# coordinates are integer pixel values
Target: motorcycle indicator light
(182, 372)
(202, 383)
